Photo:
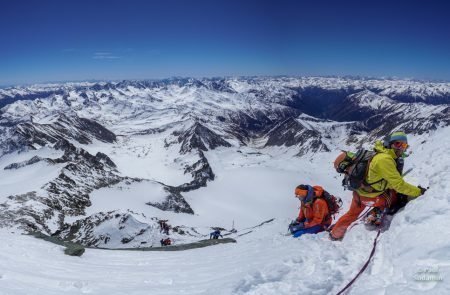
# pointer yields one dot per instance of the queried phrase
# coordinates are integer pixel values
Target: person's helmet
(397, 137)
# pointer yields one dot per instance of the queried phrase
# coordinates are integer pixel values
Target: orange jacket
(315, 213)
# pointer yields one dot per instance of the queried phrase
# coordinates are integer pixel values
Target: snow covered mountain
(102, 163)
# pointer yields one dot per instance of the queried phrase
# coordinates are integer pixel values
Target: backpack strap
(310, 196)
(399, 163)
(367, 184)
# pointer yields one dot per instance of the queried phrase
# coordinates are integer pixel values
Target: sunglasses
(400, 145)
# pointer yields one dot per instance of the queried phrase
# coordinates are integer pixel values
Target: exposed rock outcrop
(199, 137)
(67, 194)
(64, 127)
(291, 132)
(201, 173)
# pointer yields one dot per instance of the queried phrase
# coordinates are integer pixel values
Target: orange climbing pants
(382, 201)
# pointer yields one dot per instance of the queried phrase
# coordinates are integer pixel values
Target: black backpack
(355, 167)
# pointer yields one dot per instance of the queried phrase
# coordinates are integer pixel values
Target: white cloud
(105, 55)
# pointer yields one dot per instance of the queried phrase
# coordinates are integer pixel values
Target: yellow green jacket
(383, 166)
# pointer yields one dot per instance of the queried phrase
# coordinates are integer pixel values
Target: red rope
(364, 267)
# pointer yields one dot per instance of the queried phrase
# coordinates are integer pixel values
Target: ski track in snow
(265, 261)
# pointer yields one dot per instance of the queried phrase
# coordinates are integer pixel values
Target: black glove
(422, 190)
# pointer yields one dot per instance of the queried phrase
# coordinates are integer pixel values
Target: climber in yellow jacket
(385, 182)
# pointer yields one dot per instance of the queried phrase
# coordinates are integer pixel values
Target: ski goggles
(400, 145)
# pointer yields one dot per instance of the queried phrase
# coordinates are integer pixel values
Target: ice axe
(407, 172)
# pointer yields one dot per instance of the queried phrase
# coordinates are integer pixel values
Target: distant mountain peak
(201, 138)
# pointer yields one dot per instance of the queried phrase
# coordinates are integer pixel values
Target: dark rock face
(220, 85)
(72, 153)
(11, 141)
(246, 126)
(174, 202)
(31, 161)
(96, 130)
(196, 139)
(67, 194)
(249, 124)
(292, 133)
(288, 133)
(26, 210)
(79, 129)
(201, 172)
(201, 138)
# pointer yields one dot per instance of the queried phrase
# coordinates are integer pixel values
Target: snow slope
(264, 260)
(25, 179)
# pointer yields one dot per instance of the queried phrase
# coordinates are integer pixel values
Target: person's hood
(380, 148)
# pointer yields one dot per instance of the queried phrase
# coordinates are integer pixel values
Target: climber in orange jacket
(314, 216)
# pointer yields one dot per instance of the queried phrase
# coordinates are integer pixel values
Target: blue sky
(110, 40)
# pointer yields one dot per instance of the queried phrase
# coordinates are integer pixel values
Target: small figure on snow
(215, 235)
(164, 227)
(165, 242)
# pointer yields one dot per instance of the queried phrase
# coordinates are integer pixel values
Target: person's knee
(347, 219)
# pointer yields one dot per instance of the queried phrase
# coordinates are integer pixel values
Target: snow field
(29, 178)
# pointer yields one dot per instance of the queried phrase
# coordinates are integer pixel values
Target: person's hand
(295, 226)
(299, 224)
(422, 190)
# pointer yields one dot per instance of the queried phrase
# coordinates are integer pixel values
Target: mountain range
(156, 138)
